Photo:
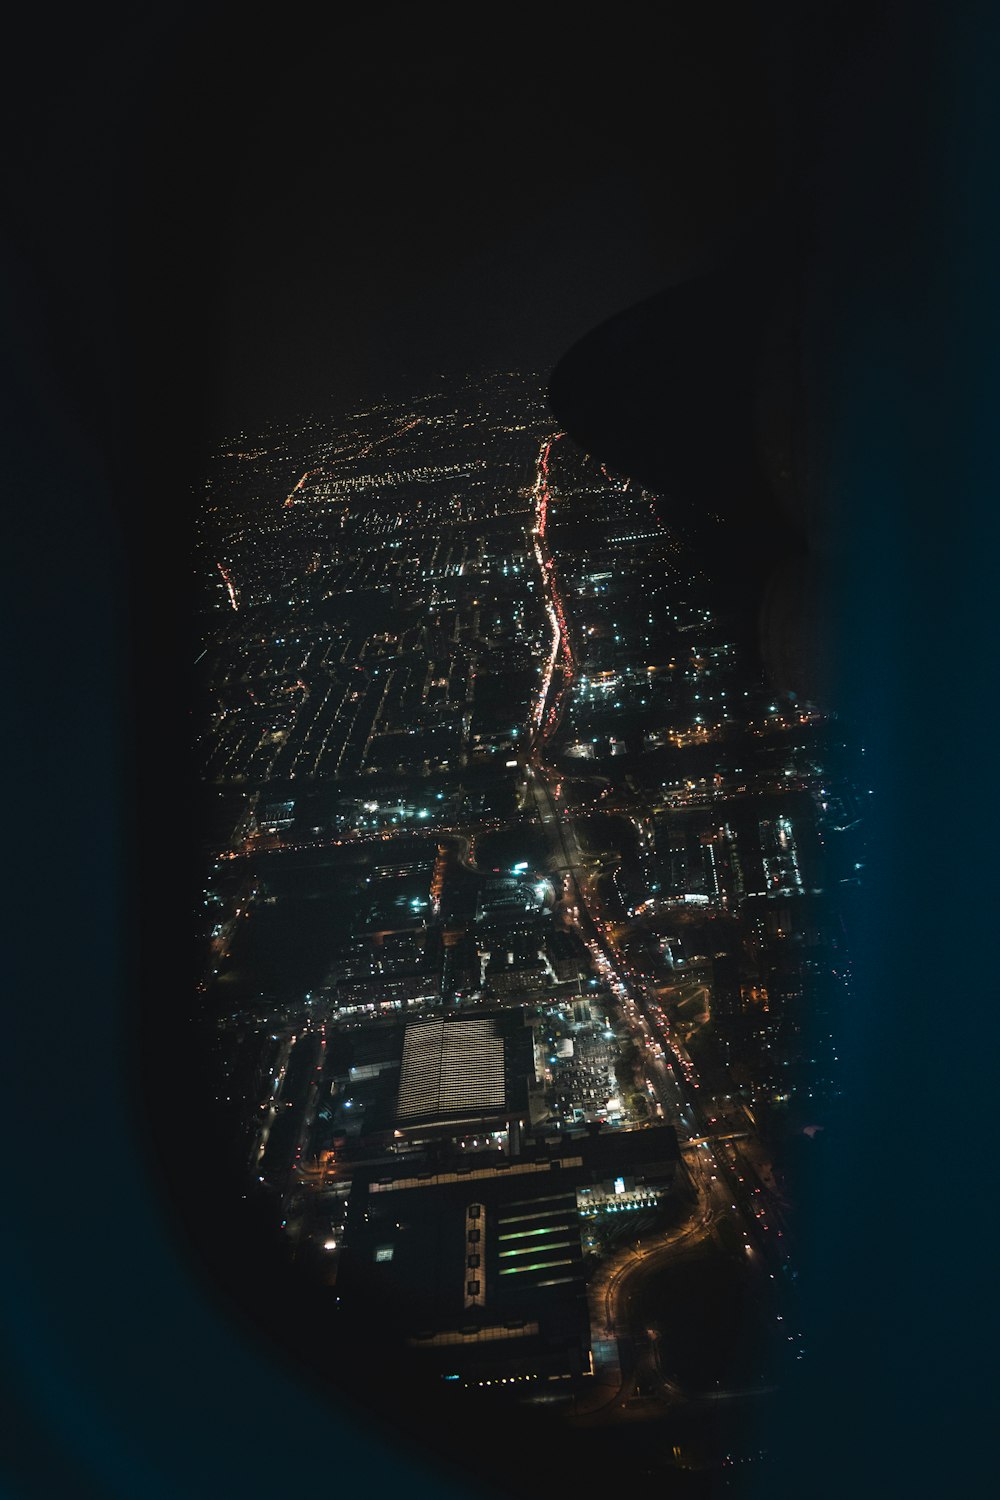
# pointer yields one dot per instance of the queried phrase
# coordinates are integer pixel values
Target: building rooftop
(480, 1261)
(457, 1067)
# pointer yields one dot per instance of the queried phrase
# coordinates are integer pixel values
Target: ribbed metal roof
(451, 1067)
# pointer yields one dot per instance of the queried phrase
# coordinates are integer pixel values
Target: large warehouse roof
(452, 1067)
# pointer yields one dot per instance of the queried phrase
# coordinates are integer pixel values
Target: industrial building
(480, 1262)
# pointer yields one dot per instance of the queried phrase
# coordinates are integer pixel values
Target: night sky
(393, 201)
(282, 217)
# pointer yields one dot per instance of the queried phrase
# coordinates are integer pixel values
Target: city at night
(517, 865)
(501, 749)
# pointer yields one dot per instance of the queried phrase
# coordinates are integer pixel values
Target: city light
(524, 893)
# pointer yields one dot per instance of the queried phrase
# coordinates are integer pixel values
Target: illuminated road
(546, 714)
(271, 1105)
(629, 1376)
(671, 1079)
(307, 475)
(229, 585)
